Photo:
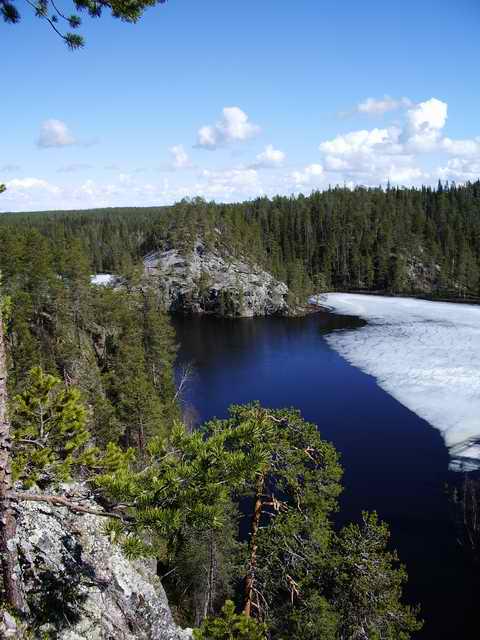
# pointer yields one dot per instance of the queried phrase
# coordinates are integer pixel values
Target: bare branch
(187, 375)
(59, 501)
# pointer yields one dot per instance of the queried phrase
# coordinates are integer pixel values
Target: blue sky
(229, 100)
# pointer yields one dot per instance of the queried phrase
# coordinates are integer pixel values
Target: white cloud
(405, 175)
(55, 133)
(375, 156)
(425, 122)
(373, 106)
(462, 147)
(269, 158)
(180, 158)
(234, 126)
(26, 184)
(460, 170)
(229, 183)
(360, 142)
(28, 194)
(369, 156)
(310, 174)
(333, 163)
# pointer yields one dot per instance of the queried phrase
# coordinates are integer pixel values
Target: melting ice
(424, 354)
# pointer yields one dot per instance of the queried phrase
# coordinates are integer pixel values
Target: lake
(394, 462)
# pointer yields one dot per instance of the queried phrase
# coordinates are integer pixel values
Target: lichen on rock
(79, 585)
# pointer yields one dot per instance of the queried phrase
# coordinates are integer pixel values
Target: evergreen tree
(47, 10)
(230, 626)
(368, 585)
(49, 429)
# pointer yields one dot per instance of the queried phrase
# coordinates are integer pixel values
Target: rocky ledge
(204, 281)
(80, 586)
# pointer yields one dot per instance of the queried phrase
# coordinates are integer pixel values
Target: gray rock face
(422, 276)
(206, 282)
(80, 585)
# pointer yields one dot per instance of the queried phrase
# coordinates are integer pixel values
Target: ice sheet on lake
(424, 354)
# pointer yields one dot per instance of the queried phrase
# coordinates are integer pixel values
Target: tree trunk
(8, 522)
(250, 578)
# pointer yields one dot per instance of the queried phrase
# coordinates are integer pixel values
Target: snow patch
(424, 354)
(103, 279)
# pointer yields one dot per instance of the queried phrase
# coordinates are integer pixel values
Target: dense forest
(238, 513)
(398, 240)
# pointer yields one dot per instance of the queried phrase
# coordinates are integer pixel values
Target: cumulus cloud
(310, 174)
(360, 142)
(180, 158)
(229, 183)
(425, 122)
(405, 175)
(369, 156)
(269, 158)
(374, 106)
(462, 147)
(234, 126)
(460, 170)
(55, 133)
(374, 156)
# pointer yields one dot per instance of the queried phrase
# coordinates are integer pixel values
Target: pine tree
(47, 11)
(49, 430)
(368, 585)
(230, 626)
(185, 483)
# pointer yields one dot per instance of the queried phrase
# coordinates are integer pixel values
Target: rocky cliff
(205, 281)
(80, 586)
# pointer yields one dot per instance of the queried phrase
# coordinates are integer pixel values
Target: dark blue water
(394, 462)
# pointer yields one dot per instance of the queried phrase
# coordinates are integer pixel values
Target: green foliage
(184, 483)
(6, 308)
(306, 582)
(368, 585)
(117, 346)
(298, 493)
(49, 430)
(349, 238)
(230, 626)
(47, 10)
(205, 570)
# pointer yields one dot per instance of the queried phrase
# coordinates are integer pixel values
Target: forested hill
(397, 240)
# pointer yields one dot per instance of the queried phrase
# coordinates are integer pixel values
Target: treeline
(395, 239)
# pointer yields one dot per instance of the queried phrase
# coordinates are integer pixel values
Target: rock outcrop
(421, 275)
(205, 281)
(80, 586)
